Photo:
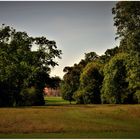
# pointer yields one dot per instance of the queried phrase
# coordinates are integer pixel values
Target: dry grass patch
(71, 119)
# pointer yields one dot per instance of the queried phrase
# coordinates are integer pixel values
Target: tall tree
(127, 21)
(70, 82)
(21, 67)
(115, 85)
(71, 79)
(133, 76)
(127, 17)
(90, 84)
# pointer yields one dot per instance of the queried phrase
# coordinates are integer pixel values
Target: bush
(31, 96)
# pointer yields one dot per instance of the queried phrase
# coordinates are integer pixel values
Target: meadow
(61, 120)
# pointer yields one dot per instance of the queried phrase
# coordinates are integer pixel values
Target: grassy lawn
(71, 121)
(56, 101)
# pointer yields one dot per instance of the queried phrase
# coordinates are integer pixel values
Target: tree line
(110, 78)
(115, 76)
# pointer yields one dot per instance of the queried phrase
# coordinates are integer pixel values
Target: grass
(56, 101)
(71, 121)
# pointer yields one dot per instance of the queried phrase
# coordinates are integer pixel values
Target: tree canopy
(22, 67)
(90, 84)
(113, 77)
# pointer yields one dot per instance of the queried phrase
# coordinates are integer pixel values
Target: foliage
(137, 96)
(24, 70)
(133, 73)
(127, 21)
(121, 65)
(31, 96)
(55, 82)
(114, 88)
(91, 56)
(126, 17)
(121, 79)
(21, 66)
(90, 84)
(71, 79)
(109, 53)
(66, 91)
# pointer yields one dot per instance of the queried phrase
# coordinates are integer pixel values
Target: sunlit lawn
(56, 101)
(71, 121)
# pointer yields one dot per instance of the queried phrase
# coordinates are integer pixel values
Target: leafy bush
(31, 96)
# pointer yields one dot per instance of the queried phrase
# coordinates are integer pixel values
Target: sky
(78, 27)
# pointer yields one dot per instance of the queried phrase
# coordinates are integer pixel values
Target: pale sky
(77, 27)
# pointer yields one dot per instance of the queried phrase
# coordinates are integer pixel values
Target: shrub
(31, 96)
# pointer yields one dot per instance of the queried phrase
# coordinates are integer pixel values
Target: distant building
(51, 92)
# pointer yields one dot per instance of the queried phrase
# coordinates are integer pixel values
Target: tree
(90, 84)
(70, 82)
(126, 17)
(21, 67)
(115, 85)
(127, 21)
(109, 53)
(90, 56)
(66, 91)
(121, 82)
(133, 76)
(55, 82)
(71, 79)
